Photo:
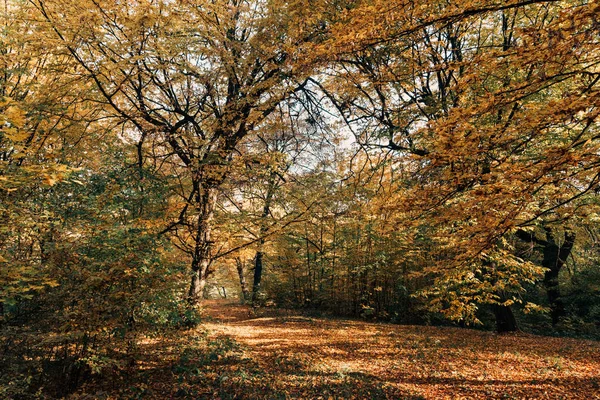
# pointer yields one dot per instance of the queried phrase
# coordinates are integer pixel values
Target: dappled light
(300, 355)
(324, 199)
(291, 355)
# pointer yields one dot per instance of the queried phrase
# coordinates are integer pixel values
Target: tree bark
(201, 259)
(242, 275)
(199, 275)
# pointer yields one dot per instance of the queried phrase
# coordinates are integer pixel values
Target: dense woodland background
(412, 162)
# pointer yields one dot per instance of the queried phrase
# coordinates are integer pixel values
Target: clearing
(236, 355)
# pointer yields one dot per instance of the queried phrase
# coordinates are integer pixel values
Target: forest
(316, 199)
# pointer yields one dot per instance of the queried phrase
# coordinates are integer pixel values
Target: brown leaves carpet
(280, 355)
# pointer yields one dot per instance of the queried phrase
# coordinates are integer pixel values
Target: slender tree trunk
(201, 261)
(258, 269)
(258, 259)
(308, 286)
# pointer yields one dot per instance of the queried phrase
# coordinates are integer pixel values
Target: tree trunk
(202, 257)
(555, 257)
(258, 259)
(242, 275)
(505, 319)
(258, 268)
(557, 307)
(199, 275)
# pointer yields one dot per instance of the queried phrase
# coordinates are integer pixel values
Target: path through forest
(286, 355)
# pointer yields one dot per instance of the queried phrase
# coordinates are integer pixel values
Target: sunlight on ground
(410, 361)
(234, 356)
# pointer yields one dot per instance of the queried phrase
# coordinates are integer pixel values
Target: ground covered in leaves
(279, 355)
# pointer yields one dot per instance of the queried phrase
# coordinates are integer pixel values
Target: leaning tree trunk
(202, 256)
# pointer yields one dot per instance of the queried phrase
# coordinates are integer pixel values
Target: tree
(491, 112)
(42, 118)
(194, 78)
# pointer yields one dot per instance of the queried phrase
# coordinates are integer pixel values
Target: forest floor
(279, 355)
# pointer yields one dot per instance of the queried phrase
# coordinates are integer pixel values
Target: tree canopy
(416, 162)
